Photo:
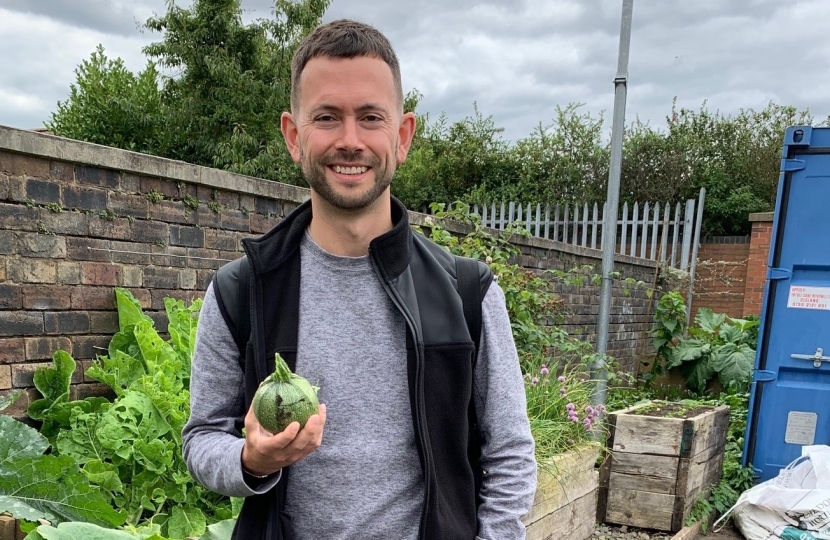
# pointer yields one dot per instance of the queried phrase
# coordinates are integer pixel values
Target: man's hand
(266, 453)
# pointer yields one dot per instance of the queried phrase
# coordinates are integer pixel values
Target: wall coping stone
(49, 146)
(762, 216)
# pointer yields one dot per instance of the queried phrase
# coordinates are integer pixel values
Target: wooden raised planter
(9, 529)
(659, 462)
(565, 504)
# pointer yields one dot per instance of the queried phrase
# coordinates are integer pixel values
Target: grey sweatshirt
(365, 480)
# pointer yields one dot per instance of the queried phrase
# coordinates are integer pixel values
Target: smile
(349, 170)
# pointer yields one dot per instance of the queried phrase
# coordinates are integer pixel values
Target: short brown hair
(343, 39)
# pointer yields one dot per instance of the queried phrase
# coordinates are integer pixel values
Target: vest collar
(391, 250)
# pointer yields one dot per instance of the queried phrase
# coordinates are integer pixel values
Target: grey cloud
(102, 15)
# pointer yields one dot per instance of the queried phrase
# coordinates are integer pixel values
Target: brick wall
(721, 275)
(756, 273)
(77, 220)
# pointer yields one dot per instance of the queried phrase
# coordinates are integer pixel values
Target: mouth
(349, 170)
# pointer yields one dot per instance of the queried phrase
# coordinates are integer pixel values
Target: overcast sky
(517, 59)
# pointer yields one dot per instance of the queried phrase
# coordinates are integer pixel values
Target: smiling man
(424, 432)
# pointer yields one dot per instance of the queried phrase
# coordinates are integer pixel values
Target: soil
(730, 532)
(671, 410)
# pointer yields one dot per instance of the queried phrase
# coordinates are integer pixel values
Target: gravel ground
(622, 532)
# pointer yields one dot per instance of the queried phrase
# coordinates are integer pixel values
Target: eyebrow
(366, 107)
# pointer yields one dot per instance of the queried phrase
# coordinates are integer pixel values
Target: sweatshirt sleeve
(507, 454)
(211, 443)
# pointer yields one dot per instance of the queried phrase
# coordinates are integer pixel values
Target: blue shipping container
(789, 403)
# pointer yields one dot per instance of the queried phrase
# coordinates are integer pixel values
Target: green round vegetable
(284, 397)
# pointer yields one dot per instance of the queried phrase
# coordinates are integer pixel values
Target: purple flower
(601, 408)
(534, 381)
(562, 392)
(545, 370)
(590, 410)
(561, 378)
(570, 406)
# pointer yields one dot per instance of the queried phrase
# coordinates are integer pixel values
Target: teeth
(349, 170)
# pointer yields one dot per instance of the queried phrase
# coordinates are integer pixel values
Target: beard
(314, 171)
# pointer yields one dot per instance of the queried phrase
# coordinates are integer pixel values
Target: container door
(790, 396)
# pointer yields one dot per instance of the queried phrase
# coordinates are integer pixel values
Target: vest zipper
(420, 413)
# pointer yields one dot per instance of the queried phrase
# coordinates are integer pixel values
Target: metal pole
(698, 225)
(609, 229)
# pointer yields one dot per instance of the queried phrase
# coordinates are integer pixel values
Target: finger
(281, 440)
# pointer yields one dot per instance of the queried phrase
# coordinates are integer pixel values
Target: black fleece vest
(420, 279)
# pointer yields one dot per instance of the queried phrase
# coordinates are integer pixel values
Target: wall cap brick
(761, 216)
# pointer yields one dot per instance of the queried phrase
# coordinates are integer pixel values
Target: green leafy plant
(717, 345)
(129, 449)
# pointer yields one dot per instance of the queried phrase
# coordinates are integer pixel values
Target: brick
(132, 276)
(43, 348)
(268, 207)
(165, 187)
(228, 199)
(257, 223)
(205, 258)
(69, 273)
(235, 220)
(170, 212)
(42, 245)
(12, 350)
(43, 191)
(161, 278)
(32, 270)
(217, 239)
(18, 217)
(23, 164)
(66, 322)
(86, 298)
(206, 217)
(22, 374)
(21, 323)
(66, 222)
(203, 279)
(143, 297)
(86, 347)
(187, 236)
(96, 177)
(17, 189)
(170, 256)
(83, 391)
(94, 273)
(130, 183)
(5, 377)
(59, 170)
(159, 319)
(84, 198)
(187, 278)
(150, 231)
(115, 229)
(125, 204)
(45, 297)
(88, 249)
(158, 296)
(103, 322)
(11, 296)
(4, 187)
(130, 252)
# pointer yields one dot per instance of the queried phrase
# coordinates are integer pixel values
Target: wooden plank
(664, 242)
(648, 435)
(640, 509)
(594, 226)
(547, 221)
(8, 528)
(575, 233)
(687, 234)
(656, 225)
(556, 224)
(624, 224)
(675, 236)
(565, 224)
(584, 226)
(705, 430)
(574, 521)
(634, 222)
(644, 235)
(538, 220)
(569, 477)
(655, 474)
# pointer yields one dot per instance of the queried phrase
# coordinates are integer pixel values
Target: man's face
(348, 133)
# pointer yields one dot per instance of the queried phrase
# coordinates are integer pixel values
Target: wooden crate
(565, 503)
(658, 466)
(9, 529)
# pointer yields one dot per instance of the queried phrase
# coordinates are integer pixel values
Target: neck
(347, 233)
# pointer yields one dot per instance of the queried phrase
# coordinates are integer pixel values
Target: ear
(291, 135)
(405, 133)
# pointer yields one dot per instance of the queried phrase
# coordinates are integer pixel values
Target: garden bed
(565, 504)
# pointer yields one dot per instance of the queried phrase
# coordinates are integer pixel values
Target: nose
(350, 137)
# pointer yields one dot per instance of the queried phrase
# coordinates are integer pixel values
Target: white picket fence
(648, 231)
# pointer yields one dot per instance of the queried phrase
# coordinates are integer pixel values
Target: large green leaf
(52, 383)
(687, 350)
(709, 321)
(731, 334)
(186, 521)
(119, 370)
(733, 363)
(131, 419)
(54, 488)
(17, 440)
(219, 531)
(129, 310)
(697, 373)
(104, 475)
(84, 531)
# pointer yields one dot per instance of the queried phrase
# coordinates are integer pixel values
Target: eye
(373, 118)
(324, 118)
